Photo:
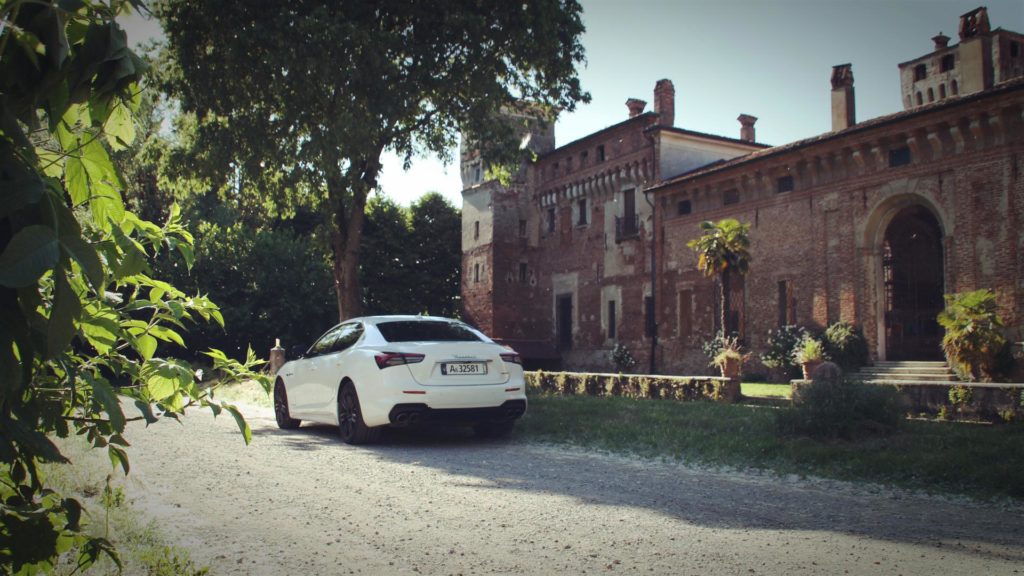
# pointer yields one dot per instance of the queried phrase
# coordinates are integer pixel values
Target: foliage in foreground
(80, 313)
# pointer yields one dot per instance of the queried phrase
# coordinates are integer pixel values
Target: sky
(771, 59)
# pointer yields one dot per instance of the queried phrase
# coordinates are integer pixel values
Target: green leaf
(29, 254)
(167, 335)
(21, 193)
(119, 127)
(243, 426)
(118, 456)
(146, 346)
(66, 310)
(100, 327)
(164, 378)
(147, 411)
(104, 395)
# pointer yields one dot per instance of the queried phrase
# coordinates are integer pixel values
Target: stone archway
(907, 207)
(912, 277)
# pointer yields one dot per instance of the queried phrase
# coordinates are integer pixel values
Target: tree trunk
(347, 232)
(726, 286)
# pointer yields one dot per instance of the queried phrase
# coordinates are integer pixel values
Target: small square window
(920, 72)
(784, 184)
(899, 157)
(685, 207)
(731, 197)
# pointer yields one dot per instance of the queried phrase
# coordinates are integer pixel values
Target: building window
(522, 228)
(582, 218)
(899, 157)
(611, 320)
(942, 91)
(600, 153)
(920, 72)
(649, 316)
(476, 273)
(784, 184)
(554, 170)
(551, 220)
(568, 165)
(1014, 49)
(954, 87)
(583, 158)
(685, 207)
(787, 305)
(948, 63)
(919, 99)
(931, 95)
(685, 313)
(476, 230)
(731, 196)
(523, 273)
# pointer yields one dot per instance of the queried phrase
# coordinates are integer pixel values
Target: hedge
(684, 388)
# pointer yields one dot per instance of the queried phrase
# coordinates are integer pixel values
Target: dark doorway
(564, 311)
(912, 270)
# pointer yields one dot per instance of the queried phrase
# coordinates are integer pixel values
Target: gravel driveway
(300, 502)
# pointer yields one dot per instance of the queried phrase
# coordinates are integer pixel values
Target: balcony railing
(627, 227)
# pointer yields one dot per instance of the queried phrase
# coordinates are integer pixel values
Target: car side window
(347, 336)
(326, 342)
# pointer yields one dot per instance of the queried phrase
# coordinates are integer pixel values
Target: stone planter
(808, 368)
(730, 368)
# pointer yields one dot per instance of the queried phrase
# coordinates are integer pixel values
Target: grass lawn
(971, 459)
(765, 390)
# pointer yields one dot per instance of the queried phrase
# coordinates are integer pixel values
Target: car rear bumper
(414, 413)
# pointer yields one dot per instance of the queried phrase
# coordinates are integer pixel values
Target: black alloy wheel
(281, 412)
(351, 427)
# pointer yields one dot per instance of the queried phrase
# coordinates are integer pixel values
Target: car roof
(401, 318)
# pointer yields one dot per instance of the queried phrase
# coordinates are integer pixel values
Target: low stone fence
(685, 388)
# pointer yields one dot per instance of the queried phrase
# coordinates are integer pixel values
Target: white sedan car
(376, 371)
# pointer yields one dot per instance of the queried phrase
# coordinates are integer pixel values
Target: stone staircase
(907, 373)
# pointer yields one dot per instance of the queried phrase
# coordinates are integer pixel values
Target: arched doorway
(912, 271)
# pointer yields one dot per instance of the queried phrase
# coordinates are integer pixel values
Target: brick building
(869, 223)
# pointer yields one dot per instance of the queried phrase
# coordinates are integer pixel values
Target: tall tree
(723, 250)
(320, 90)
(436, 249)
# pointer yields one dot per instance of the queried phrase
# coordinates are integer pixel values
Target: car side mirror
(296, 352)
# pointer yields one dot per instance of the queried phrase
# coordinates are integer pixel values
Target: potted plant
(729, 358)
(809, 354)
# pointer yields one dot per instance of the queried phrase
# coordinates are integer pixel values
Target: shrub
(845, 345)
(621, 358)
(973, 338)
(832, 407)
(780, 349)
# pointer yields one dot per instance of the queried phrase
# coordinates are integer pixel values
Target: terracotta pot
(731, 368)
(809, 367)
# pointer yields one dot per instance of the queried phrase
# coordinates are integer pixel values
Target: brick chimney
(747, 127)
(636, 107)
(665, 102)
(843, 112)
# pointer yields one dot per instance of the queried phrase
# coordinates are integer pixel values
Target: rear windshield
(426, 331)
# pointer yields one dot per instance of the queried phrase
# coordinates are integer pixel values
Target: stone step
(911, 364)
(907, 370)
(882, 375)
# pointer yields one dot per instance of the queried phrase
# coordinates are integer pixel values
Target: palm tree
(722, 251)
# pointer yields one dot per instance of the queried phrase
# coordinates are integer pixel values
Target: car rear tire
(281, 411)
(493, 429)
(351, 427)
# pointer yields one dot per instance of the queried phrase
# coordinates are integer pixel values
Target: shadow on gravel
(710, 498)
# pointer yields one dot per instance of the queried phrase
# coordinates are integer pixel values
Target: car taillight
(512, 358)
(387, 359)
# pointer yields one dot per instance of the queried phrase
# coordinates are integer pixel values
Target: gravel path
(301, 502)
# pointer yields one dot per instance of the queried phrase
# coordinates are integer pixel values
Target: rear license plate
(463, 368)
